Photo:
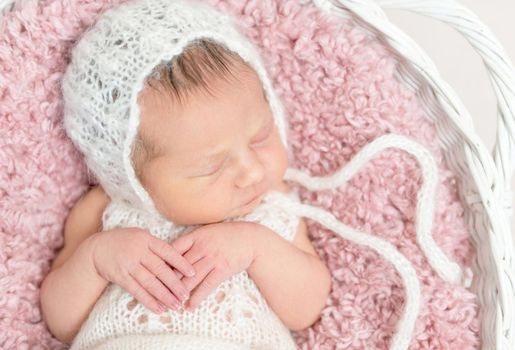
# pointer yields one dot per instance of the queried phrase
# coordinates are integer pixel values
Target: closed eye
(266, 136)
(213, 172)
(263, 139)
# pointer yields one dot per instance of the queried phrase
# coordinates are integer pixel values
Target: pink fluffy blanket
(336, 81)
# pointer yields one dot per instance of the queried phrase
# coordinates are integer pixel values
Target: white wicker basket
(485, 186)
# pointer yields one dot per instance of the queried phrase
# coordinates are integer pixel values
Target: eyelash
(215, 171)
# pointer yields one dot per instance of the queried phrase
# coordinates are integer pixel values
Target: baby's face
(215, 154)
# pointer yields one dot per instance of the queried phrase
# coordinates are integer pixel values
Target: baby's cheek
(279, 161)
(171, 201)
(194, 207)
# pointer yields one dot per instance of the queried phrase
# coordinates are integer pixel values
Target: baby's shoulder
(276, 212)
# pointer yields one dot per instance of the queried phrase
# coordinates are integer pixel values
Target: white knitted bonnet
(108, 68)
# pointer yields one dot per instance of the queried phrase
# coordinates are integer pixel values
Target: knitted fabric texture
(108, 69)
(234, 316)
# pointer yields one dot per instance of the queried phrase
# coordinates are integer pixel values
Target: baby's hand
(217, 252)
(137, 261)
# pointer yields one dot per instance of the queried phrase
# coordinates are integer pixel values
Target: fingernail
(191, 273)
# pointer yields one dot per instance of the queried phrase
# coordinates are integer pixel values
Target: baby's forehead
(161, 112)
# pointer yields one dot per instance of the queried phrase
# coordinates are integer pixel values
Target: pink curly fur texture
(337, 84)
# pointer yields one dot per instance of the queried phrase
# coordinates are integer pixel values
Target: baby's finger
(194, 254)
(206, 287)
(171, 256)
(138, 292)
(203, 267)
(159, 268)
(183, 243)
(155, 287)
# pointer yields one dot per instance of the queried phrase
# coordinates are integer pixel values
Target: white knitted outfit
(108, 68)
(233, 316)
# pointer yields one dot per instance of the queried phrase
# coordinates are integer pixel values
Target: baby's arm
(72, 287)
(291, 277)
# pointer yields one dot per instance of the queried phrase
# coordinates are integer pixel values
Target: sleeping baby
(186, 243)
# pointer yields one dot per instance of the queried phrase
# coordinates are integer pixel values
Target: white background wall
(459, 64)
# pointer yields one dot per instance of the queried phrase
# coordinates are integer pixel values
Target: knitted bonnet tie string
(446, 269)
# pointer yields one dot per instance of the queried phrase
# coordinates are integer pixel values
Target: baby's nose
(251, 170)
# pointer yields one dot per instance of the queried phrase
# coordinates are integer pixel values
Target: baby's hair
(200, 61)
